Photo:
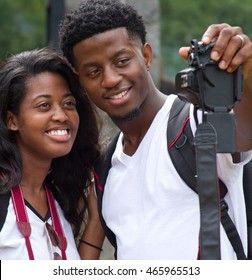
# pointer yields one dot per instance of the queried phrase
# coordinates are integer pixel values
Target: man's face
(113, 70)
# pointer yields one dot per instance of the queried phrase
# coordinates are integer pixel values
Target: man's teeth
(120, 95)
(58, 132)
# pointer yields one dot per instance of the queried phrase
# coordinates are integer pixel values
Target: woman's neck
(32, 185)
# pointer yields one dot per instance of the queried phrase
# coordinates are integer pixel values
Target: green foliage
(183, 20)
(22, 25)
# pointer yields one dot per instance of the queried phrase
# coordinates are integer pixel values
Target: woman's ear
(147, 53)
(12, 121)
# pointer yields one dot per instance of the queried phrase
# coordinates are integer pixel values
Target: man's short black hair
(97, 16)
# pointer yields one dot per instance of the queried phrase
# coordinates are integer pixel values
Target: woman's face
(47, 123)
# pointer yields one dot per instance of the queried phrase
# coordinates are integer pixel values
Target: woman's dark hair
(70, 175)
(97, 16)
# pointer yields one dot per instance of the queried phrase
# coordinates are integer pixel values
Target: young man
(152, 212)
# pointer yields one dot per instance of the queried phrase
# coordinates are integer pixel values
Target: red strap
(22, 218)
(56, 223)
(24, 225)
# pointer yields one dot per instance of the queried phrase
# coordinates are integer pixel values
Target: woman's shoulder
(4, 203)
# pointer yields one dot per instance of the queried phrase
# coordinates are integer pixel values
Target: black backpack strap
(182, 152)
(179, 135)
(4, 203)
(247, 184)
(101, 171)
(231, 231)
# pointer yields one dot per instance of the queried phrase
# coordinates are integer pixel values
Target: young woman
(48, 144)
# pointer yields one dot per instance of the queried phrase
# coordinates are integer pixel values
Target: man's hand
(232, 48)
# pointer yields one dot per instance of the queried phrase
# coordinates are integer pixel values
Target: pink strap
(56, 224)
(22, 218)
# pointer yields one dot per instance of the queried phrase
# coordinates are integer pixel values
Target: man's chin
(127, 118)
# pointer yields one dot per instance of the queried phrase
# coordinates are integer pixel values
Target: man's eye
(93, 73)
(123, 61)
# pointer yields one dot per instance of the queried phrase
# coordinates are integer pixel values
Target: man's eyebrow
(115, 55)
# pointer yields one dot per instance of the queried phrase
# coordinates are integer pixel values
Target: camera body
(214, 90)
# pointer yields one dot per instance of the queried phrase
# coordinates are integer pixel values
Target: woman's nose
(59, 115)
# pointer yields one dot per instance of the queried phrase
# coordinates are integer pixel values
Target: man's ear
(12, 121)
(147, 53)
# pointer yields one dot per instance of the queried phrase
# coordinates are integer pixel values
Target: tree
(22, 26)
(184, 20)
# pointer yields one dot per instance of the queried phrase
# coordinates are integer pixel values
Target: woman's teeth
(58, 132)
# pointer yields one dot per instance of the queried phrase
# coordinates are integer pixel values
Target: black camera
(214, 90)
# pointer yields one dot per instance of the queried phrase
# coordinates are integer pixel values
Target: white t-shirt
(12, 242)
(152, 212)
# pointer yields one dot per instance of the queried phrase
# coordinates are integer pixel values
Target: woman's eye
(70, 104)
(44, 105)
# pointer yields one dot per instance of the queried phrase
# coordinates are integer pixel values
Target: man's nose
(111, 77)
